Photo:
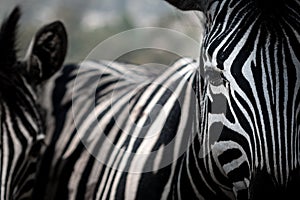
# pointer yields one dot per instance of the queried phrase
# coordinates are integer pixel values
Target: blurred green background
(89, 22)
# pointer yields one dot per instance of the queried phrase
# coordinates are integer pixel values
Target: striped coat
(127, 121)
(22, 127)
(237, 119)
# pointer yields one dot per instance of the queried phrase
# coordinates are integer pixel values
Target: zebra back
(105, 114)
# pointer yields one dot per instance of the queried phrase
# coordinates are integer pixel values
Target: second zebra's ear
(47, 52)
(200, 5)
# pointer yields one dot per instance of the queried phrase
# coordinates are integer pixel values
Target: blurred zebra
(21, 120)
(247, 148)
(142, 115)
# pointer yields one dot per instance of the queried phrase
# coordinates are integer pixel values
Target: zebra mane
(8, 31)
(10, 68)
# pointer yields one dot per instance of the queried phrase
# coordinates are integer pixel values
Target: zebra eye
(35, 149)
(214, 76)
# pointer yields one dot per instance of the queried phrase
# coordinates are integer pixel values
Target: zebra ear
(47, 52)
(200, 5)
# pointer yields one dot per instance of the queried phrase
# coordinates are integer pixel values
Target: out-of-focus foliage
(90, 22)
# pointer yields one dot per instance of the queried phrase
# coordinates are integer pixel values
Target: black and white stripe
(243, 116)
(254, 48)
(21, 121)
(138, 113)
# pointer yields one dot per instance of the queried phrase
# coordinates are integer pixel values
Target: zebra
(22, 127)
(251, 57)
(249, 63)
(66, 159)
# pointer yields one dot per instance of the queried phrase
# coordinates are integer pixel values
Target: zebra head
(21, 120)
(251, 60)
